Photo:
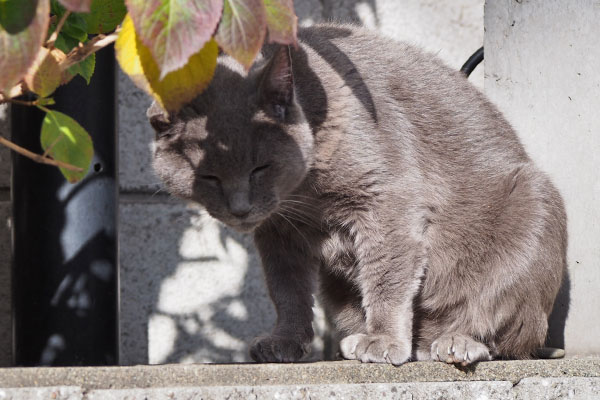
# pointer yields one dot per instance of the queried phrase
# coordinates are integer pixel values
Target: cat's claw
(280, 349)
(459, 349)
(374, 349)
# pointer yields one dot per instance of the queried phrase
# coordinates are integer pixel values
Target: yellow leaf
(178, 87)
(44, 75)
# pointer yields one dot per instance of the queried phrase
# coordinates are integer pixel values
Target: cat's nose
(240, 213)
(239, 206)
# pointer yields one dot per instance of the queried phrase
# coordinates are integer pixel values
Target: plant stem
(83, 50)
(38, 158)
(52, 39)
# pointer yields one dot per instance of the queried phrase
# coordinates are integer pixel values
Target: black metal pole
(65, 270)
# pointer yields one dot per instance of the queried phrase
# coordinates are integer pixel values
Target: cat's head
(240, 146)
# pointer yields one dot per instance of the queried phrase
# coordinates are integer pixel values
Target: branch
(37, 157)
(83, 50)
(52, 39)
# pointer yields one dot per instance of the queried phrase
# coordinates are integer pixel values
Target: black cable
(472, 62)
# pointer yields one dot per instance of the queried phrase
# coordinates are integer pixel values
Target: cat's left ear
(159, 118)
(277, 84)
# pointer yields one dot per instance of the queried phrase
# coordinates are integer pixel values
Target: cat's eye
(260, 169)
(212, 179)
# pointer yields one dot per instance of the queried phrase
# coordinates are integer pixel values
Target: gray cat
(375, 175)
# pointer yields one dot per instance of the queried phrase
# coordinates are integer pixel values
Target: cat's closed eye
(259, 170)
(211, 179)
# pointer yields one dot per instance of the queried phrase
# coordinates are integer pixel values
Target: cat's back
(402, 89)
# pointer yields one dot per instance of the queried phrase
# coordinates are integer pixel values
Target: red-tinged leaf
(19, 51)
(242, 29)
(282, 22)
(104, 15)
(173, 30)
(76, 5)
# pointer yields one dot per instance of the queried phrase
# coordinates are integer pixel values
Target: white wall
(542, 63)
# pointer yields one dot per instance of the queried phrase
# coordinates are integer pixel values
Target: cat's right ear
(277, 83)
(159, 118)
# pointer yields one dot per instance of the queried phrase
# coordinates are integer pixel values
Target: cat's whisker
(295, 227)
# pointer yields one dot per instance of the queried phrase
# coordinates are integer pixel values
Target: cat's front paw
(271, 348)
(459, 349)
(374, 348)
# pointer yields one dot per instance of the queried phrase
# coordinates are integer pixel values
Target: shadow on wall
(354, 11)
(191, 289)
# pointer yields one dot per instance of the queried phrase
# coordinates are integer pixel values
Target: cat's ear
(159, 118)
(277, 84)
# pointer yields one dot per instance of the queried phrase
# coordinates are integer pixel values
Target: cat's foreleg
(290, 278)
(389, 280)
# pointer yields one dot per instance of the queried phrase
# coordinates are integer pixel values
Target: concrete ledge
(320, 373)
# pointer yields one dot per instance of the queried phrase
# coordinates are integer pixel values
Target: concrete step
(531, 379)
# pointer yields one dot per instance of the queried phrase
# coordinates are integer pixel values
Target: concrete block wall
(191, 289)
(541, 68)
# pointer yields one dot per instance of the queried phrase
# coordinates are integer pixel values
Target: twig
(83, 50)
(37, 157)
(54, 36)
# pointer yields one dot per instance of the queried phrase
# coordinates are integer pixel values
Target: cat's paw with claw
(375, 349)
(280, 349)
(459, 349)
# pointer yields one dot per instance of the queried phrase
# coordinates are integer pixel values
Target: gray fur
(381, 179)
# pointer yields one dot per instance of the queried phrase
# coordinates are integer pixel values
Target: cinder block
(192, 290)
(541, 69)
(135, 139)
(5, 286)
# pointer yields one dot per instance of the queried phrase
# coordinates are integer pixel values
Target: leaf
(173, 30)
(75, 25)
(85, 67)
(104, 15)
(77, 5)
(242, 29)
(18, 51)
(44, 75)
(68, 142)
(16, 15)
(178, 87)
(282, 22)
(65, 42)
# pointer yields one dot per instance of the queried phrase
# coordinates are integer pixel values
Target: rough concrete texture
(576, 379)
(5, 294)
(541, 68)
(191, 289)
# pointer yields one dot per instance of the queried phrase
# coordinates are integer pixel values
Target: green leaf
(77, 5)
(85, 68)
(104, 15)
(281, 21)
(242, 29)
(65, 43)
(178, 87)
(16, 15)
(173, 30)
(18, 51)
(75, 25)
(69, 142)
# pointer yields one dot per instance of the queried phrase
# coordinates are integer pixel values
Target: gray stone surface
(572, 379)
(191, 289)
(541, 68)
(5, 293)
